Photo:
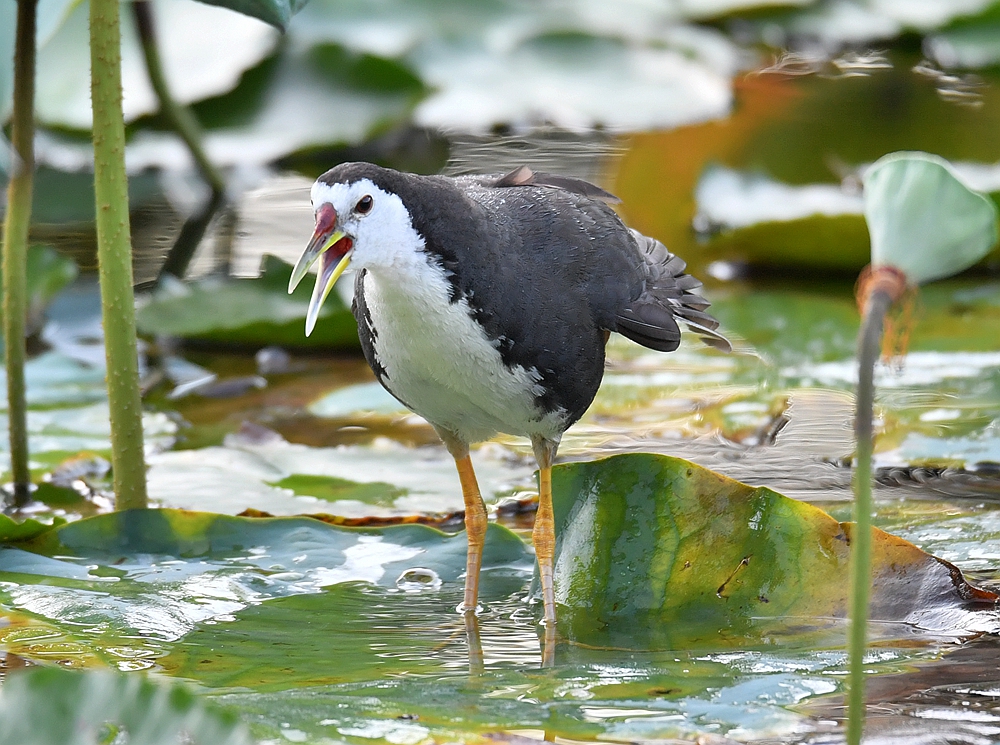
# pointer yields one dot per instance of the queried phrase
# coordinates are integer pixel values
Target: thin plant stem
(114, 253)
(869, 343)
(179, 117)
(17, 222)
(184, 124)
(190, 237)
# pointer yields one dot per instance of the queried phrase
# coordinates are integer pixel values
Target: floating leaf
(923, 220)
(140, 579)
(634, 66)
(56, 433)
(189, 34)
(601, 81)
(835, 25)
(276, 12)
(357, 399)
(332, 489)
(751, 218)
(363, 71)
(50, 706)
(730, 199)
(251, 313)
(314, 633)
(657, 547)
(394, 480)
(48, 272)
(12, 531)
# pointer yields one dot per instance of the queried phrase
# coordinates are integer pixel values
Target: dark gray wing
(668, 295)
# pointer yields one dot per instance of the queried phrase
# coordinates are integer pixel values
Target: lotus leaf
(276, 12)
(315, 631)
(923, 219)
(247, 312)
(60, 707)
(659, 549)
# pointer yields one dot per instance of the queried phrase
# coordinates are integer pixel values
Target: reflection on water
(310, 651)
(406, 655)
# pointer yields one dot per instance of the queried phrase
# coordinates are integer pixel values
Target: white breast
(439, 361)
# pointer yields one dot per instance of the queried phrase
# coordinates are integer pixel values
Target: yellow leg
(475, 517)
(544, 538)
(475, 528)
(475, 644)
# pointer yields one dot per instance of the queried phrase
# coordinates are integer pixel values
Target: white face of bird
(356, 223)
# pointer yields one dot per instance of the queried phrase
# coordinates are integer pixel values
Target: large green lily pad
(249, 313)
(662, 549)
(313, 631)
(60, 707)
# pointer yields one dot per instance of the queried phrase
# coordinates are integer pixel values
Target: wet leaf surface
(249, 313)
(354, 661)
(774, 563)
(313, 631)
(60, 707)
(286, 479)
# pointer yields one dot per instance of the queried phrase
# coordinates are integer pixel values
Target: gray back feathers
(668, 294)
(546, 267)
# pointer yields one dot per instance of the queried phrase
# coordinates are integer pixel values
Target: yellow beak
(334, 249)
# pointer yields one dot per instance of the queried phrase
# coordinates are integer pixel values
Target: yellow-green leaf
(655, 550)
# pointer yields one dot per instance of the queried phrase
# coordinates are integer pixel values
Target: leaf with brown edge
(446, 520)
(655, 551)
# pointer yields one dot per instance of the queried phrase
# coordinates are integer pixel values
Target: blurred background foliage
(736, 131)
(709, 104)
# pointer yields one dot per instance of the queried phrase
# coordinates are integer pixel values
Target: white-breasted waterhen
(484, 304)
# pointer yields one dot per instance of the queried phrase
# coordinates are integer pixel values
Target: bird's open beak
(334, 248)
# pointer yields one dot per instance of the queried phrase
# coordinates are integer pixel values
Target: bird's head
(357, 222)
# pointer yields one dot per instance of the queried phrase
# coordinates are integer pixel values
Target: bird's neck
(414, 283)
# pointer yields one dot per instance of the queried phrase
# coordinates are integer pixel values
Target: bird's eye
(364, 205)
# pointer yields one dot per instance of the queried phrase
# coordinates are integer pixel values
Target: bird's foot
(468, 610)
(475, 644)
(549, 645)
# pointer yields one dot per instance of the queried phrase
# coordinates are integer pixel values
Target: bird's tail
(669, 295)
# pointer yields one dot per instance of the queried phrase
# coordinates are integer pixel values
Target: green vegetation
(693, 604)
(17, 220)
(114, 251)
(925, 225)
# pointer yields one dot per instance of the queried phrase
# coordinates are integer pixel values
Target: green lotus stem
(187, 128)
(179, 117)
(15, 251)
(114, 254)
(869, 343)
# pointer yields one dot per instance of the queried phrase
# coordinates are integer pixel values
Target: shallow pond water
(315, 635)
(309, 652)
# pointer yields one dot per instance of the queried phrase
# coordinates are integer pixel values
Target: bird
(484, 304)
